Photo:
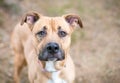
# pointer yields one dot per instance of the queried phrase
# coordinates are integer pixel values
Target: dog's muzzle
(51, 52)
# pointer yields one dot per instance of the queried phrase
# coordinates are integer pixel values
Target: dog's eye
(42, 33)
(62, 33)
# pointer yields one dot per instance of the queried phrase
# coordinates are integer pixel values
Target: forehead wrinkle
(52, 24)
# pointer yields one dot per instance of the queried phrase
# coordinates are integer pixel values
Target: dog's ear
(73, 20)
(30, 18)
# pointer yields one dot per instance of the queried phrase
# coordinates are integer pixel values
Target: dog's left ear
(73, 20)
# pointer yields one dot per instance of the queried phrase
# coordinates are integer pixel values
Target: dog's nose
(52, 47)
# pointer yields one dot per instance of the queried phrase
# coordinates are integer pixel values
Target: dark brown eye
(62, 33)
(42, 33)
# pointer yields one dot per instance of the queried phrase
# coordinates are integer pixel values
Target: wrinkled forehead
(52, 23)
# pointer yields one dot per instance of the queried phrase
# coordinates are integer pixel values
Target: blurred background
(95, 49)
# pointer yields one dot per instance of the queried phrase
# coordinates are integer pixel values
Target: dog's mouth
(51, 52)
(45, 56)
(52, 59)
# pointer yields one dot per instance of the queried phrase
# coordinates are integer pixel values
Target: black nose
(52, 47)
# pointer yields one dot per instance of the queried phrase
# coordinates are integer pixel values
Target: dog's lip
(52, 59)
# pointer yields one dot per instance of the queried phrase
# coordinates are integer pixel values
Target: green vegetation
(77, 35)
(12, 8)
(1, 19)
(3, 4)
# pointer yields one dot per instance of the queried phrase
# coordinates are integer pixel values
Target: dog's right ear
(30, 18)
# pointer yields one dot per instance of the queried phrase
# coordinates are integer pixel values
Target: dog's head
(52, 35)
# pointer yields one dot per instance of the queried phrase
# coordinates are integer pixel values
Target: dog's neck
(55, 74)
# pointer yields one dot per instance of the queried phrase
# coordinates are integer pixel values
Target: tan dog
(43, 44)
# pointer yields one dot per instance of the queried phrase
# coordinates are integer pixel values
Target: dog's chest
(56, 78)
(55, 74)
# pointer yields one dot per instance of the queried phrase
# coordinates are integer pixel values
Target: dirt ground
(95, 49)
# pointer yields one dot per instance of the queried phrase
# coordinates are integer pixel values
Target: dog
(42, 43)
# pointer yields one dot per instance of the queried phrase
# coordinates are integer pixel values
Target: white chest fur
(56, 78)
(50, 66)
(55, 74)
